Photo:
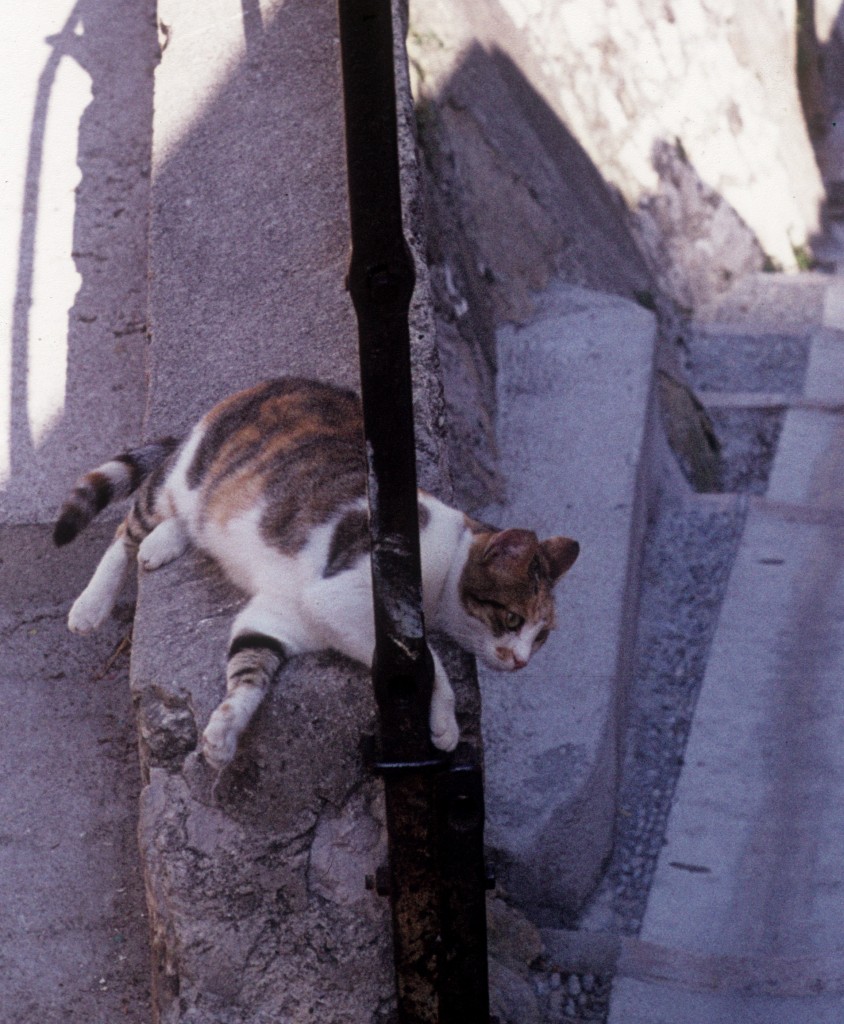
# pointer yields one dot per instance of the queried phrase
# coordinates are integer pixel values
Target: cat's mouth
(505, 660)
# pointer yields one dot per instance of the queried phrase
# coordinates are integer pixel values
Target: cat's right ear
(561, 553)
(510, 548)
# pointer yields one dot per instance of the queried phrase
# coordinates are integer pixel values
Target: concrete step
(751, 879)
(727, 357)
(752, 866)
(808, 468)
(74, 936)
(577, 445)
(769, 303)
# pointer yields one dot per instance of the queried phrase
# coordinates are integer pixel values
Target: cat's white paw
(87, 613)
(445, 732)
(219, 741)
(166, 542)
(94, 604)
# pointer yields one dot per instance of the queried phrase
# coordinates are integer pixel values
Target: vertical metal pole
(463, 973)
(381, 280)
(434, 809)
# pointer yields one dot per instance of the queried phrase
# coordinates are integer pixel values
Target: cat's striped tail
(111, 481)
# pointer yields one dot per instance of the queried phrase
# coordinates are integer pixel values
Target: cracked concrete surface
(73, 946)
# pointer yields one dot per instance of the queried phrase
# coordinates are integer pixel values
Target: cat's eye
(513, 621)
(541, 637)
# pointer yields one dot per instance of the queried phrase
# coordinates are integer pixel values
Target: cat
(271, 483)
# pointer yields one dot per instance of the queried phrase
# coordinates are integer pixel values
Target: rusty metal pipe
(435, 876)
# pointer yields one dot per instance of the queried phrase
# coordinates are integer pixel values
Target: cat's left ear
(561, 553)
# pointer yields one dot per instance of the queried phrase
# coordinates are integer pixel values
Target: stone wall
(689, 112)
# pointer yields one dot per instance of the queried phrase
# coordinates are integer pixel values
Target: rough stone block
(574, 401)
(256, 879)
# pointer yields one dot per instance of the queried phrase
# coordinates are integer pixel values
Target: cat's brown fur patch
(349, 542)
(297, 444)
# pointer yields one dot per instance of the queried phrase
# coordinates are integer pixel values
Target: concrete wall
(76, 107)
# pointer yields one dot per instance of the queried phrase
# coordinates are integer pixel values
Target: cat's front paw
(219, 741)
(166, 542)
(445, 732)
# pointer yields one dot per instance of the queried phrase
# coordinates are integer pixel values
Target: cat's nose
(507, 655)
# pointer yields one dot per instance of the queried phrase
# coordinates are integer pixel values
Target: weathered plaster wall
(689, 109)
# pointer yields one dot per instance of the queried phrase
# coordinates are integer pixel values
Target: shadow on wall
(811, 62)
(527, 196)
(820, 74)
(695, 242)
(515, 201)
(261, 258)
(829, 64)
(533, 203)
(103, 379)
(251, 253)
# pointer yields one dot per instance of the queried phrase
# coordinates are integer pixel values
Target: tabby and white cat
(272, 484)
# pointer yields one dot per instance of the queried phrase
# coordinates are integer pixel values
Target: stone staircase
(743, 919)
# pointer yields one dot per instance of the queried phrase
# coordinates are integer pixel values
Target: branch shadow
(820, 77)
(63, 43)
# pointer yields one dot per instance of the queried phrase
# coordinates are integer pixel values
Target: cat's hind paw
(87, 613)
(219, 741)
(94, 604)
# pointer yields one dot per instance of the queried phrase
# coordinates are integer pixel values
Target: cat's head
(506, 594)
